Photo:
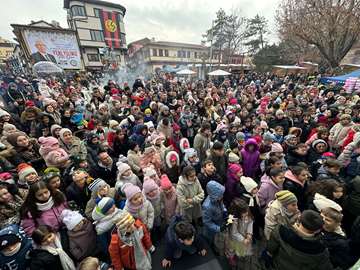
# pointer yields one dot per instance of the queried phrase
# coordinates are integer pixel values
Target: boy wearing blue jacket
(14, 248)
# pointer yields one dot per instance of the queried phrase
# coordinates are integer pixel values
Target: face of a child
(251, 148)
(22, 141)
(338, 193)
(277, 165)
(42, 195)
(320, 148)
(254, 191)
(137, 199)
(127, 173)
(187, 242)
(79, 177)
(303, 176)
(209, 168)
(151, 193)
(279, 179)
(54, 183)
(333, 170)
(301, 150)
(111, 210)
(292, 207)
(239, 174)
(191, 176)
(5, 196)
(279, 131)
(31, 178)
(330, 225)
(79, 226)
(48, 239)
(103, 191)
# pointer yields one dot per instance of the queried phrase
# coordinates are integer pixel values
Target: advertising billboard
(58, 47)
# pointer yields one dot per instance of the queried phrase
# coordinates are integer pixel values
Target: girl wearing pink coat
(42, 207)
(52, 153)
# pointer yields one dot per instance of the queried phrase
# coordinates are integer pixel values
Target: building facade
(96, 22)
(6, 50)
(153, 55)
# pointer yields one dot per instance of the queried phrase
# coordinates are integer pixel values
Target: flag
(111, 28)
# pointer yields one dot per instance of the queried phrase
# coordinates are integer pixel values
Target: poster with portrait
(58, 47)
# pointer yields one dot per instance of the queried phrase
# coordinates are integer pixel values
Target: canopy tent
(185, 72)
(219, 72)
(341, 79)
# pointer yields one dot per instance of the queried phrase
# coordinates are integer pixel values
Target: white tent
(219, 72)
(185, 72)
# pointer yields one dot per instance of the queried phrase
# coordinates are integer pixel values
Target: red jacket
(122, 256)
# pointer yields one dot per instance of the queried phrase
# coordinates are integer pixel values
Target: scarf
(154, 198)
(134, 208)
(66, 262)
(252, 199)
(46, 205)
(142, 256)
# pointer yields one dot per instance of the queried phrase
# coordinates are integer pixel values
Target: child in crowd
(126, 175)
(251, 159)
(190, 195)
(49, 253)
(181, 237)
(239, 249)
(270, 185)
(169, 201)
(130, 244)
(214, 214)
(91, 263)
(208, 173)
(172, 166)
(151, 173)
(81, 234)
(138, 206)
(14, 248)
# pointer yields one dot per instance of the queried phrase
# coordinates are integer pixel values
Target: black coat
(221, 164)
(204, 179)
(79, 196)
(293, 158)
(298, 190)
(43, 260)
(339, 249)
(109, 175)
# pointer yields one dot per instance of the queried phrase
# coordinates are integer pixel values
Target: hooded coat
(213, 209)
(19, 260)
(267, 191)
(251, 160)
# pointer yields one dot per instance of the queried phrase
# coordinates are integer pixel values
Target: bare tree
(332, 26)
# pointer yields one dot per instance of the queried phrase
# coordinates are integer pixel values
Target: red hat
(29, 103)
(328, 154)
(165, 182)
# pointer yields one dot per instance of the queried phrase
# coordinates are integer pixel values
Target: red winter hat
(29, 103)
(328, 154)
(165, 182)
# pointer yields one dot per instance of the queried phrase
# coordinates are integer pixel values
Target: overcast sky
(179, 20)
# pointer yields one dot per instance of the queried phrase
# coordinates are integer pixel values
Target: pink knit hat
(149, 185)
(276, 148)
(235, 168)
(48, 141)
(165, 182)
(130, 190)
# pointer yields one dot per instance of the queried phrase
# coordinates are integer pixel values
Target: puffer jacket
(267, 191)
(145, 213)
(213, 208)
(51, 217)
(77, 148)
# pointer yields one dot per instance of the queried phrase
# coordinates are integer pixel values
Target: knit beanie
(122, 167)
(7, 127)
(289, 137)
(6, 177)
(276, 148)
(240, 136)
(248, 183)
(104, 205)
(286, 197)
(130, 190)
(149, 124)
(3, 113)
(48, 141)
(71, 218)
(50, 173)
(149, 171)
(53, 128)
(8, 238)
(24, 170)
(268, 136)
(316, 142)
(150, 185)
(62, 132)
(311, 220)
(165, 183)
(124, 222)
(96, 185)
(233, 158)
(321, 202)
(279, 112)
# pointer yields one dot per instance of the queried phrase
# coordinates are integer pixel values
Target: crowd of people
(262, 169)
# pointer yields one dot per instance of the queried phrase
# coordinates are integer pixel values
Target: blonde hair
(89, 263)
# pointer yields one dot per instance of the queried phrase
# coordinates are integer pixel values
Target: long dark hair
(40, 234)
(324, 187)
(30, 201)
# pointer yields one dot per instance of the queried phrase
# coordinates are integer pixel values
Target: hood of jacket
(215, 190)
(251, 142)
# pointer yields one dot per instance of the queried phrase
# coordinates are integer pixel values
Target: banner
(60, 48)
(111, 28)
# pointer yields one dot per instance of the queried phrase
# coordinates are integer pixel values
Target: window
(166, 53)
(97, 35)
(179, 54)
(154, 52)
(195, 55)
(97, 12)
(78, 11)
(93, 57)
(188, 54)
(147, 53)
(161, 52)
(120, 17)
(123, 39)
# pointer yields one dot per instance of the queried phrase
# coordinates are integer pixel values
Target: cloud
(181, 20)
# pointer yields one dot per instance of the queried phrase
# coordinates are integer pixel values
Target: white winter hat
(71, 218)
(321, 202)
(122, 167)
(248, 183)
(149, 171)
